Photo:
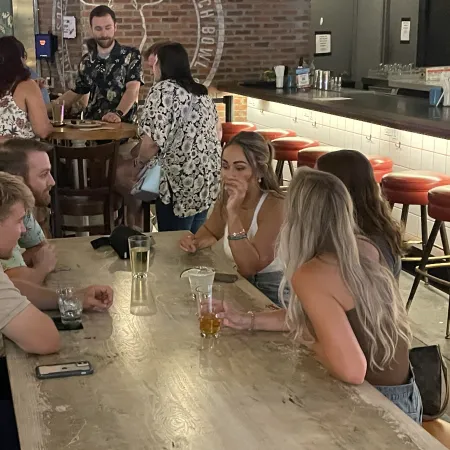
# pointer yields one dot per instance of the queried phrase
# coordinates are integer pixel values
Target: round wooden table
(108, 132)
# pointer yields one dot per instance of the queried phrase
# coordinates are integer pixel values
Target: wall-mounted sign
(70, 27)
(405, 34)
(323, 43)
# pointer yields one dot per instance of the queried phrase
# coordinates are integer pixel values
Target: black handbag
(430, 372)
(118, 240)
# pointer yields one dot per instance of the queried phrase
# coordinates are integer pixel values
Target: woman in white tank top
(248, 215)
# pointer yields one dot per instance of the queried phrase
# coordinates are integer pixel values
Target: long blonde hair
(320, 219)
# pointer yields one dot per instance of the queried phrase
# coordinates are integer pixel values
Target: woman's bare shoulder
(273, 204)
(27, 87)
(368, 248)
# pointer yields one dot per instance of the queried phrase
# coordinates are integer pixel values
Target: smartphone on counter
(71, 369)
(225, 277)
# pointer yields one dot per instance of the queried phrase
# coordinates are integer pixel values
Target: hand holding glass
(210, 303)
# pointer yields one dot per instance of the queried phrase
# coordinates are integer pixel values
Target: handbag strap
(444, 373)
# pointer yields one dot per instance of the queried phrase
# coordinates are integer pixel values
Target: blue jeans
(168, 221)
(406, 397)
(269, 283)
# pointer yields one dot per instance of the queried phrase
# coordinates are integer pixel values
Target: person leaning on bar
(345, 304)
(110, 73)
(248, 214)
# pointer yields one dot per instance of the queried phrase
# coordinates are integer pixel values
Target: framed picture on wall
(323, 43)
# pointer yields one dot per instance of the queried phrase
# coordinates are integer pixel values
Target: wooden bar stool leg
(291, 169)
(279, 172)
(404, 217)
(424, 227)
(447, 332)
(444, 239)
(146, 213)
(423, 262)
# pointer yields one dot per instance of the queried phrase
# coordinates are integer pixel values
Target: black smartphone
(225, 277)
(62, 327)
(71, 369)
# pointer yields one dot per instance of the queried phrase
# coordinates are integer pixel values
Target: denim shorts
(269, 283)
(406, 397)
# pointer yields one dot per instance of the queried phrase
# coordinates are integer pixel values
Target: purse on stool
(430, 372)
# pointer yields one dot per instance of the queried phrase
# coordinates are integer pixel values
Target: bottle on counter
(312, 72)
(302, 76)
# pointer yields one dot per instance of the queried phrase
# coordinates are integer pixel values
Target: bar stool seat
(381, 165)
(439, 203)
(230, 129)
(286, 149)
(411, 186)
(269, 134)
(309, 156)
(438, 209)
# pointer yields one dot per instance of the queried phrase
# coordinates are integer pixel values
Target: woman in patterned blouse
(181, 127)
(22, 109)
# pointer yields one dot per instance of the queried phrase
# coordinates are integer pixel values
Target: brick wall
(226, 39)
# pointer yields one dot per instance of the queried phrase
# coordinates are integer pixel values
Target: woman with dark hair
(180, 126)
(248, 214)
(22, 109)
(373, 214)
(33, 75)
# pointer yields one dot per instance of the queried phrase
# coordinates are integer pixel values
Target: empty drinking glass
(70, 307)
(201, 276)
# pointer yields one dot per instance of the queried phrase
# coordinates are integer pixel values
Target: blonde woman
(248, 214)
(344, 302)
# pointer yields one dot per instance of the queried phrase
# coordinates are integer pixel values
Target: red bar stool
(286, 150)
(231, 129)
(309, 156)
(381, 165)
(269, 134)
(411, 188)
(438, 209)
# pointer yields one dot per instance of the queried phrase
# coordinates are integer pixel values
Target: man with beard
(29, 159)
(110, 73)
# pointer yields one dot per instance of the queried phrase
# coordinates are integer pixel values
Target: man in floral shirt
(110, 73)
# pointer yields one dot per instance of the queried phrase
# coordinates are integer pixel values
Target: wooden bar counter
(158, 385)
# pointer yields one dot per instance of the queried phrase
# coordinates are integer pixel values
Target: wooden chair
(85, 179)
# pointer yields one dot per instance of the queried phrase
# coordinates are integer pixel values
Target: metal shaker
(326, 77)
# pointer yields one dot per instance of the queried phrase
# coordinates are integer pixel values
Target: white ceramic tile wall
(407, 150)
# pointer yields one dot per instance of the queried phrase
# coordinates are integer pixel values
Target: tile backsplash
(407, 150)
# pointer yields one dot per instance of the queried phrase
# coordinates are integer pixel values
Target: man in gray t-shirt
(20, 321)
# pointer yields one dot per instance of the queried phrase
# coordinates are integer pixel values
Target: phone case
(225, 277)
(60, 370)
(61, 327)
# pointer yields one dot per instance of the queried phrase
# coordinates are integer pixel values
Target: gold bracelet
(252, 323)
